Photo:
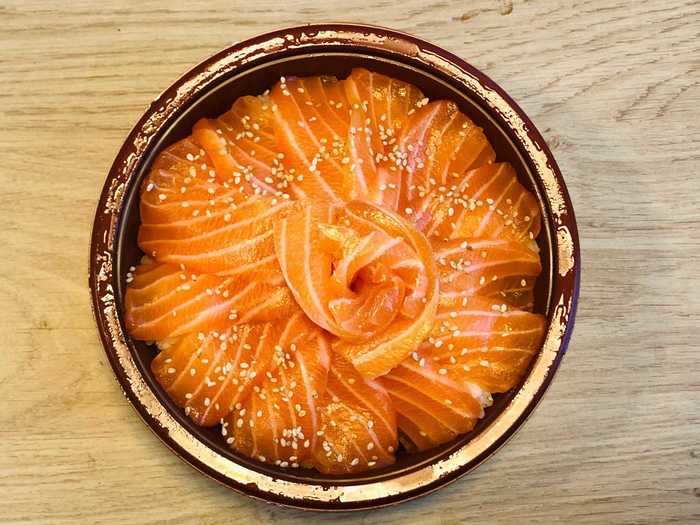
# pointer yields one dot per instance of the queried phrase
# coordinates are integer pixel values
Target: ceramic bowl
(250, 67)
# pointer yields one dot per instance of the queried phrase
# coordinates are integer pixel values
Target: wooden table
(614, 86)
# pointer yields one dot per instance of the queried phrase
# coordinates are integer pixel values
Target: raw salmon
(502, 269)
(380, 107)
(165, 301)
(241, 144)
(335, 269)
(438, 145)
(279, 422)
(472, 352)
(365, 275)
(209, 373)
(357, 423)
(487, 203)
(312, 136)
(232, 240)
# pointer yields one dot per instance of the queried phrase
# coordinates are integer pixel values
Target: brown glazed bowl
(250, 67)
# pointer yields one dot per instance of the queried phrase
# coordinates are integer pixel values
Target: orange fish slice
(380, 108)
(191, 218)
(242, 146)
(488, 203)
(473, 352)
(431, 408)
(312, 136)
(179, 186)
(357, 423)
(516, 292)
(438, 146)
(164, 301)
(231, 240)
(365, 275)
(279, 422)
(485, 343)
(332, 280)
(379, 354)
(498, 268)
(209, 373)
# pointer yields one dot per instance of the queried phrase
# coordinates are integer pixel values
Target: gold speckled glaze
(324, 494)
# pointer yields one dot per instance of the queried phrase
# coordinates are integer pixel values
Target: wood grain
(615, 88)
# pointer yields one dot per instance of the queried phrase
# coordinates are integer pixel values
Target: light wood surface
(614, 86)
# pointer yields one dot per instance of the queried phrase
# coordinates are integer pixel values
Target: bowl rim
(324, 495)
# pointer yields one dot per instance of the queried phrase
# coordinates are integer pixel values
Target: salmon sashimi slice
(208, 374)
(242, 147)
(164, 301)
(515, 292)
(313, 138)
(279, 422)
(221, 242)
(439, 144)
(365, 275)
(357, 423)
(431, 408)
(376, 356)
(488, 203)
(471, 353)
(485, 344)
(179, 186)
(492, 268)
(189, 217)
(380, 108)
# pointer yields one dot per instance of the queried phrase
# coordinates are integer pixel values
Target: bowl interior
(252, 81)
